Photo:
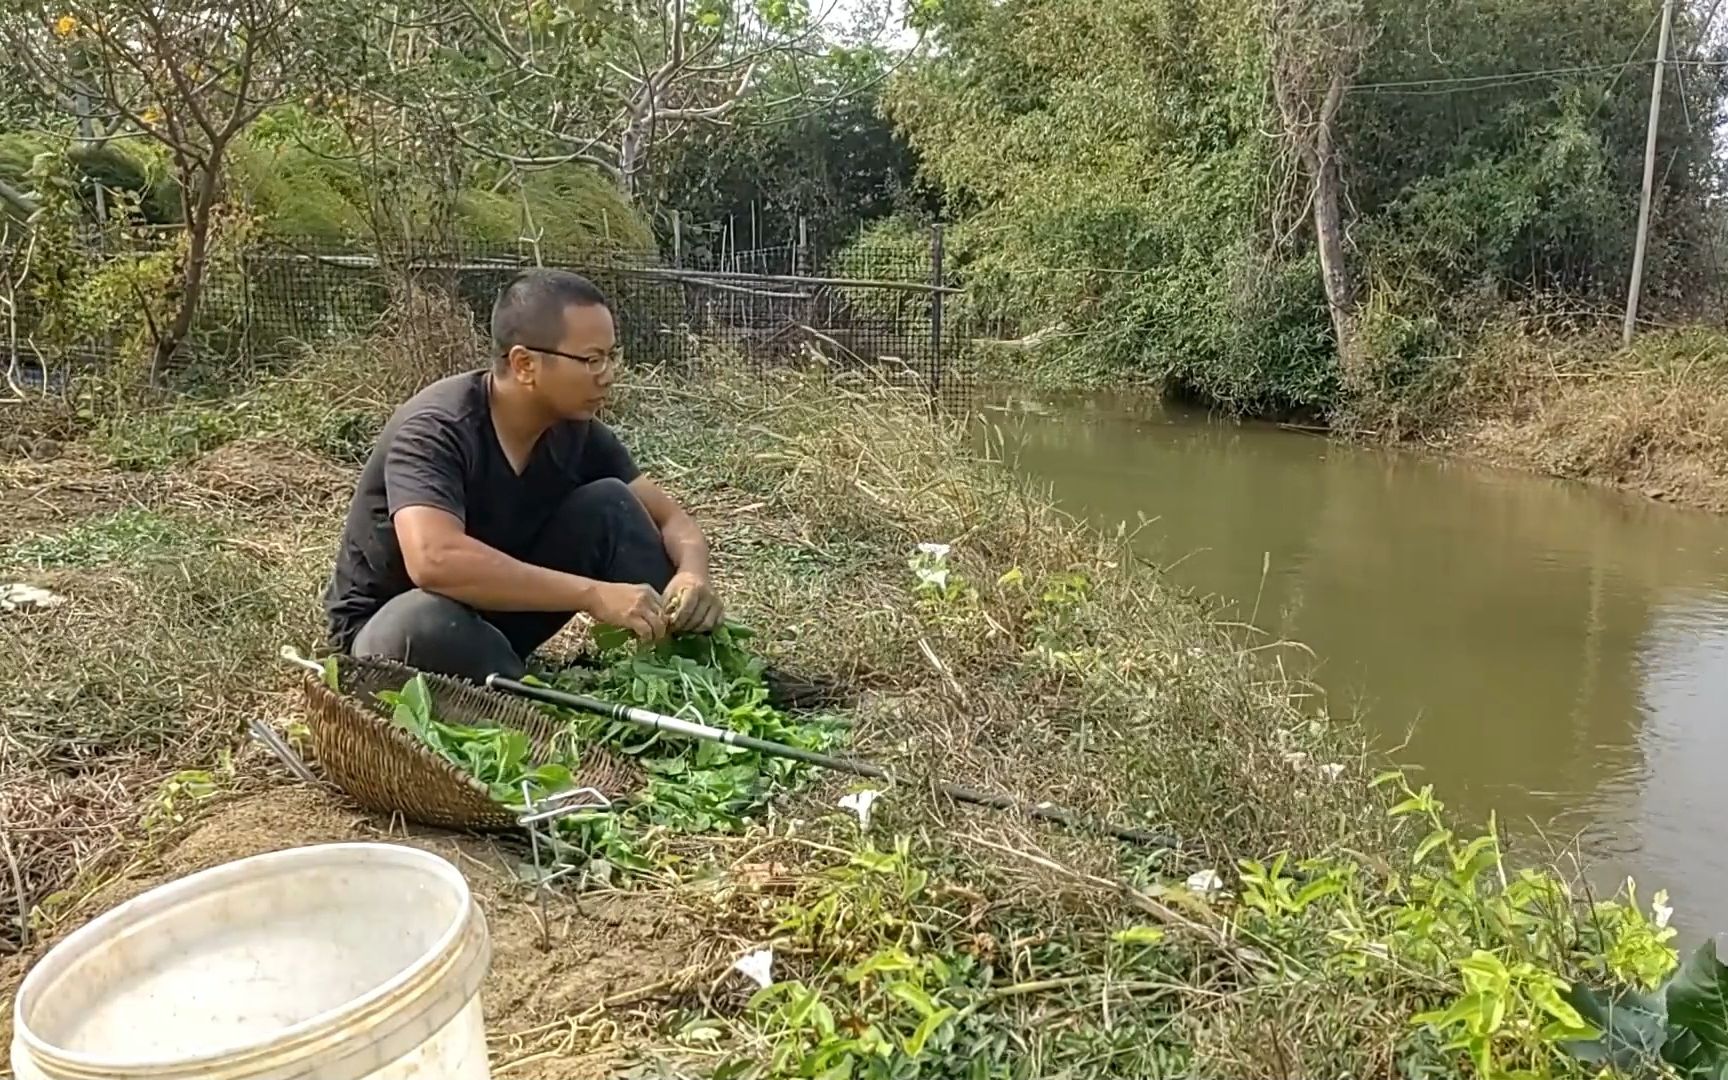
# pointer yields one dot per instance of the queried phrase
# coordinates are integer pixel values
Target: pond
(1550, 651)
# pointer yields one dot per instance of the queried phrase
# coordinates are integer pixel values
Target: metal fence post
(936, 310)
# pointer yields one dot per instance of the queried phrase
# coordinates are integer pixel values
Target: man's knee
(435, 633)
(610, 496)
(413, 616)
(614, 508)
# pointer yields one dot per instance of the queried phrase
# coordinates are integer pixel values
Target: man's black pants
(600, 531)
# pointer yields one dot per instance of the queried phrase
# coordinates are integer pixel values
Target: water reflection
(1552, 652)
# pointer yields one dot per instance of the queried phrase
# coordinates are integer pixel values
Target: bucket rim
(57, 961)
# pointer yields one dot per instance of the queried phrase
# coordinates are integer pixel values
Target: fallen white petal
(860, 802)
(1332, 770)
(758, 967)
(1662, 909)
(1205, 882)
(19, 595)
(1297, 760)
(935, 551)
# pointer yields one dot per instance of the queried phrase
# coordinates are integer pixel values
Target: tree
(562, 81)
(838, 166)
(1235, 195)
(1315, 48)
(190, 76)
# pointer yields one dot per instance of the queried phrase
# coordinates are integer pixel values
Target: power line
(1470, 81)
(1499, 80)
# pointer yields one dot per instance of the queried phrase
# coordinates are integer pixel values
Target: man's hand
(692, 606)
(636, 608)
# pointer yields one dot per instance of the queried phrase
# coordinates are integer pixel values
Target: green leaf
(1138, 935)
(888, 960)
(1547, 998)
(1631, 1027)
(1465, 1008)
(1408, 806)
(1697, 999)
(609, 638)
(1314, 890)
(915, 1044)
(332, 674)
(912, 994)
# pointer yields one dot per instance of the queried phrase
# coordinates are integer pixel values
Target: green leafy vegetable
(497, 757)
(693, 786)
(713, 678)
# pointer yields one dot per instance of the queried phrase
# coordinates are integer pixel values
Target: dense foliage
(1121, 170)
(836, 166)
(1132, 184)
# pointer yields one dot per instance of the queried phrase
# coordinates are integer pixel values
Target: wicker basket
(387, 769)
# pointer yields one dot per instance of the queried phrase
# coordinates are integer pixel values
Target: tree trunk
(631, 153)
(1322, 160)
(199, 207)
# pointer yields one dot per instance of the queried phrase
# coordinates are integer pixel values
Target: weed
(179, 795)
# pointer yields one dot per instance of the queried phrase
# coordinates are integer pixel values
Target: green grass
(127, 536)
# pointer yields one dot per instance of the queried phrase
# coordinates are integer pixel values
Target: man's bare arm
(692, 601)
(442, 558)
(685, 544)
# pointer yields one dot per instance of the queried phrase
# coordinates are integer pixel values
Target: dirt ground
(554, 996)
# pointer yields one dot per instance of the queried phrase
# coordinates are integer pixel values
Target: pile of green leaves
(713, 679)
(693, 786)
(497, 757)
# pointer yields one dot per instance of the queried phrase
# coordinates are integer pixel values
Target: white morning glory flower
(758, 967)
(860, 802)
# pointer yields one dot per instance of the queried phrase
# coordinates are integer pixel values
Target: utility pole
(1649, 177)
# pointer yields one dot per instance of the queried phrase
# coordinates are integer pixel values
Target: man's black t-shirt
(440, 449)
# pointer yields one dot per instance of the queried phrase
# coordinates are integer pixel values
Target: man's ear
(522, 364)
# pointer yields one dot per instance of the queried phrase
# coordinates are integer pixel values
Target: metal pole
(936, 311)
(677, 240)
(689, 729)
(1649, 177)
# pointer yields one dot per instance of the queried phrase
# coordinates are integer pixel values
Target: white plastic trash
(333, 962)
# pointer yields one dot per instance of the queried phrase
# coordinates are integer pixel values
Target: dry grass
(1652, 419)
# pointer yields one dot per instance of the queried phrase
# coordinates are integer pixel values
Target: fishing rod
(673, 725)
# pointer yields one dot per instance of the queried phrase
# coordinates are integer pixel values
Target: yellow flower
(65, 26)
(151, 115)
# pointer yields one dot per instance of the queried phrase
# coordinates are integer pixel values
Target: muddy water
(1549, 651)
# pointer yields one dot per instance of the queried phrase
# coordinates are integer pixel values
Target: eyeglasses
(604, 362)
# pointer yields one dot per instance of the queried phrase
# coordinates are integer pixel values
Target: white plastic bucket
(333, 962)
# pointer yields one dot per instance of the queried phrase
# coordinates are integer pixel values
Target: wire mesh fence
(878, 312)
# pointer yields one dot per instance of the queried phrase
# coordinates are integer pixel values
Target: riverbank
(1571, 404)
(1029, 656)
(1651, 419)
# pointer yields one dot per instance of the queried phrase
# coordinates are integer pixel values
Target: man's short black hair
(530, 310)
